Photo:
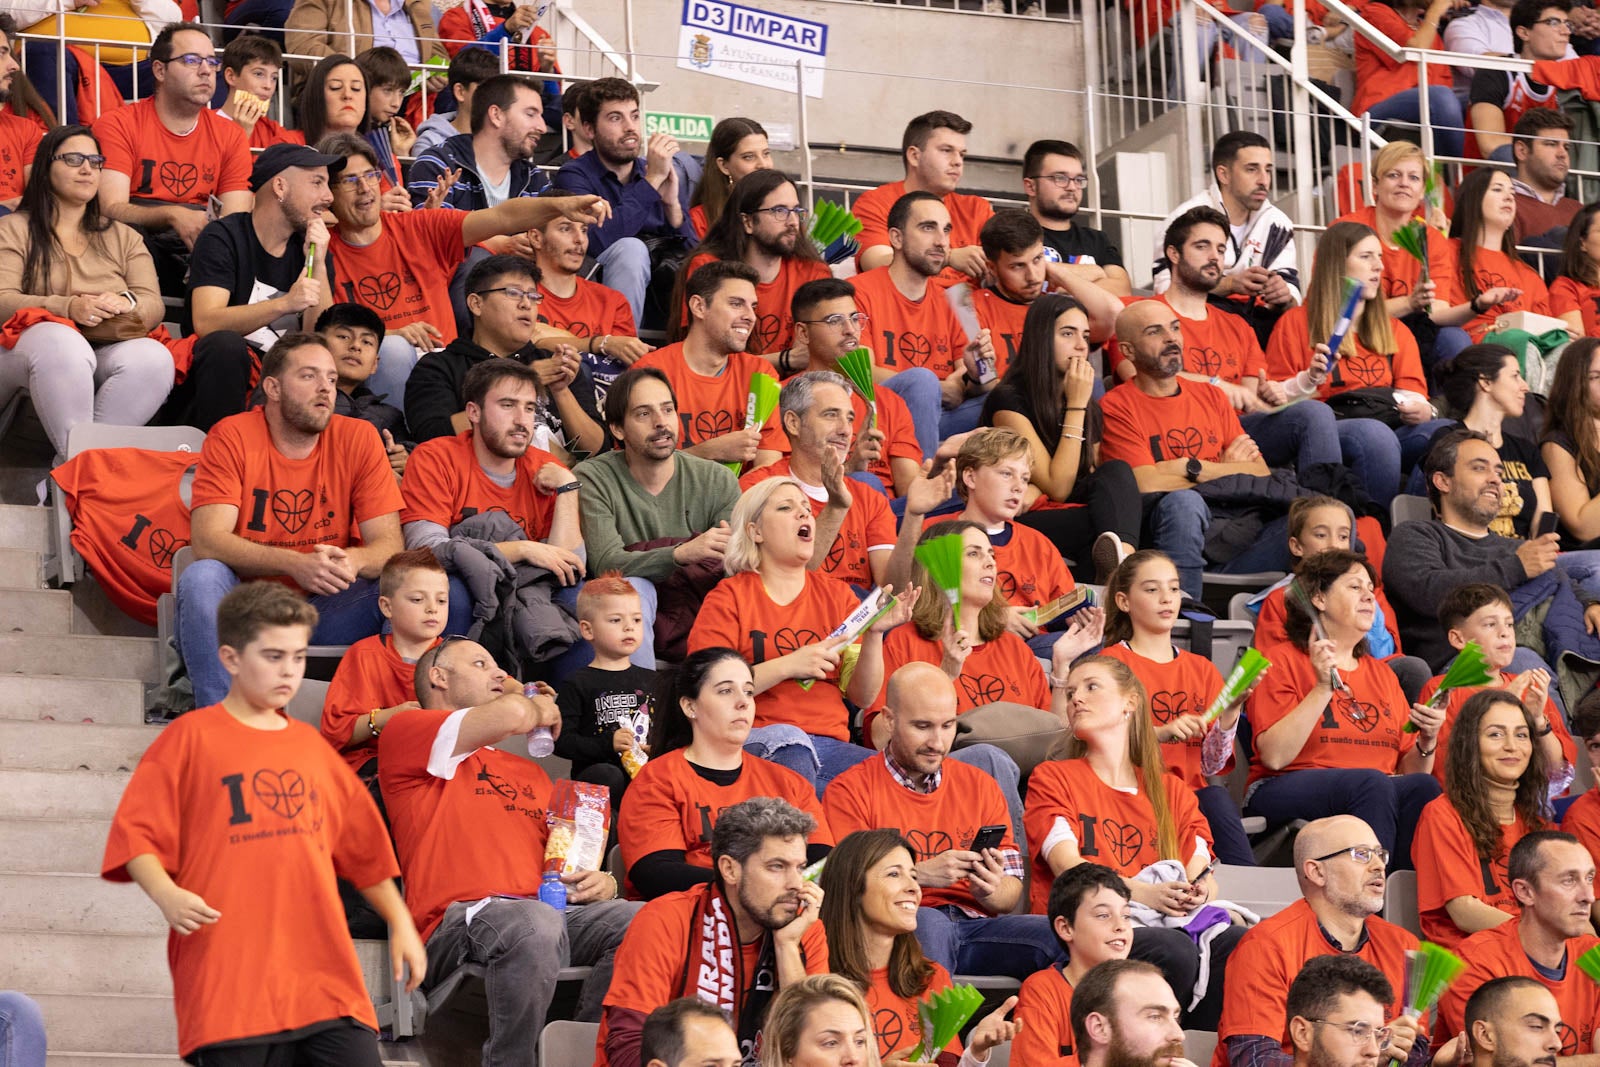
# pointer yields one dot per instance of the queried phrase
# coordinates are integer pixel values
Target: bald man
(1340, 868)
(1177, 435)
(940, 804)
(1513, 1021)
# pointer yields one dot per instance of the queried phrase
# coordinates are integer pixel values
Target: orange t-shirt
(868, 526)
(1002, 669)
(899, 433)
(1568, 294)
(1289, 353)
(1458, 698)
(479, 832)
(1360, 727)
(444, 484)
(1113, 828)
(1379, 77)
(593, 310)
(1273, 618)
(267, 133)
(1401, 272)
(214, 157)
(670, 807)
(967, 215)
(710, 406)
(1185, 686)
(370, 675)
(1448, 866)
(740, 615)
(1221, 345)
(343, 483)
(405, 274)
(19, 140)
(909, 333)
(1029, 570)
(257, 823)
(1582, 820)
(1269, 957)
(1003, 318)
(1498, 953)
(895, 1019)
(867, 797)
(1044, 1008)
(697, 219)
(1492, 268)
(1197, 421)
(774, 329)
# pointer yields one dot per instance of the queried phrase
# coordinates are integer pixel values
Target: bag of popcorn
(579, 817)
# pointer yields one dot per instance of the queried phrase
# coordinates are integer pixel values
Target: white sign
(749, 45)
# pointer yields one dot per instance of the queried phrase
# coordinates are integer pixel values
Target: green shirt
(616, 511)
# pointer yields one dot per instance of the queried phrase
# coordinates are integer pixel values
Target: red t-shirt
(478, 832)
(1289, 353)
(19, 140)
(593, 310)
(1449, 866)
(671, 807)
(1197, 421)
(1492, 269)
(344, 482)
(774, 329)
(1003, 318)
(1498, 953)
(1568, 294)
(1029, 569)
(214, 157)
(1269, 957)
(405, 274)
(1401, 272)
(1002, 669)
(697, 219)
(1360, 727)
(370, 675)
(868, 526)
(909, 333)
(1458, 698)
(899, 433)
(1273, 618)
(1185, 686)
(1113, 828)
(867, 797)
(710, 406)
(1582, 820)
(895, 1020)
(1044, 1008)
(967, 215)
(267, 133)
(1379, 77)
(444, 483)
(1221, 345)
(740, 615)
(258, 823)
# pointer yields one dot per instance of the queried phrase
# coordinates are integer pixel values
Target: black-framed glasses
(1362, 854)
(1359, 1032)
(838, 319)
(1556, 23)
(356, 181)
(195, 59)
(515, 292)
(1062, 180)
(783, 212)
(78, 159)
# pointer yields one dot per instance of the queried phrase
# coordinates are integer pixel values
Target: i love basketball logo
(1367, 368)
(983, 689)
(179, 179)
(282, 791)
(1489, 279)
(1358, 713)
(1184, 442)
(379, 291)
(163, 546)
(708, 424)
(914, 349)
(764, 337)
(1393, 287)
(788, 639)
(1569, 1039)
(292, 509)
(1124, 841)
(1203, 359)
(929, 843)
(889, 1028)
(576, 329)
(1166, 705)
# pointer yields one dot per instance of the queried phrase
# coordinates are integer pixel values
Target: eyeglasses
(78, 159)
(195, 59)
(1556, 23)
(1362, 854)
(1061, 181)
(516, 293)
(837, 321)
(356, 181)
(783, 212)
(1360, 1032)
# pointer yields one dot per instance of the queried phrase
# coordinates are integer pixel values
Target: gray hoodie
(434, 132)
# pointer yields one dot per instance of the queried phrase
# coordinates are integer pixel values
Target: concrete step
(60, 794)
(36, 611)
(36, 846)
(22, 526)
(125, 1022)
(19, 568)
(111, 701)
(76, 903)
(46, 963)
(80, 656)
(61, 746)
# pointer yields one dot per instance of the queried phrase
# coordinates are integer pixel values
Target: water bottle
(541, 742)
(553, 891)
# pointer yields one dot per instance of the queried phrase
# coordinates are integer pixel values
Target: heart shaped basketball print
(788, 639)
(1124, 841)
(179, 178)
(709, 424)
(1184, 442)
(293, 509)
(379, 291)
(163, 546)
(914, 349)
(1166, 705)
(282, 791)
(983, 689)
(929, 843)
(765, 335)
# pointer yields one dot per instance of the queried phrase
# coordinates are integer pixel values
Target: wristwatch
(1191, 470)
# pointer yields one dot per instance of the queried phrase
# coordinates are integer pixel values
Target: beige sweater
(118, 260)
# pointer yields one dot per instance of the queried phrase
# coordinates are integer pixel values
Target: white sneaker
(1108, 552)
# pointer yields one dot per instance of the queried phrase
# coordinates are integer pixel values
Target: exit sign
(682, 127)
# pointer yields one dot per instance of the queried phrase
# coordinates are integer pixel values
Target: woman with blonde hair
(820, 1021)
(778, 613)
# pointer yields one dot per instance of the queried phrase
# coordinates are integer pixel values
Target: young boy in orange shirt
(234, 824)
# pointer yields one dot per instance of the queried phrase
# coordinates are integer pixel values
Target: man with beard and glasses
(1513, 1022)
(710, 369)
(1552, 875)
(1054, 179)
(19, 134)
(733, 942)
(285, 491)
(469, 827)
(1124, 1015)
(1335, 1010)
(1178, 434)
(1340, 870)
(913, 324)
(248, 282)
(763, 226)
(494, 162)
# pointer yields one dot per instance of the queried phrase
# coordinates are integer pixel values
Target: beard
(782, 246)
(1118, 1054)
(922, 263)
(516, 147)
(775, 916)
(303, 417)
(1193, 278)
(499, 443)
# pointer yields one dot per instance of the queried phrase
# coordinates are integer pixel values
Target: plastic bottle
(553, 891)
(541, 742)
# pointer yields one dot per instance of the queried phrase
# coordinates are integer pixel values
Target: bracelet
(616, 890)
(1065, 436)
(372, 722)
(1549, 728)
(605, 340)
(1426, 752)
(1083, 408)
(784, 366)
(1057, 683)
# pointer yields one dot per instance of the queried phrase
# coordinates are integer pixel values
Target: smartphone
(1547, 524)
(988, 837)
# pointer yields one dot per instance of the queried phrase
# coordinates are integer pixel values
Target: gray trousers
(521, 945)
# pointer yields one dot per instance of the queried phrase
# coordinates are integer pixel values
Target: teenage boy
(471, 67)
(251, 66)
(599, 703)
(352, 333)
(1088, 914)
(233, 824)
(387, 78)
(376, 677)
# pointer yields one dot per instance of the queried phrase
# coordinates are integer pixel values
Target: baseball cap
(280, 157)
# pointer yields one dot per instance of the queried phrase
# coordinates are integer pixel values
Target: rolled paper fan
(857, 366)
(1347, 314)
(941, 556)
(1412, 238)
(1430, 969)
(760, 405)
(942, 1016)
(1589, 963)
(832, 222)
(1467, 669)
(1251, 666)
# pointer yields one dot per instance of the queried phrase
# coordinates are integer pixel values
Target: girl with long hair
(1328, 717)
(1570, 443)
(1483, 387)
(870, 898)
(333, 99)
(697, 767)
(60, 258)
(1379, 353)
(1490, 276)
(1105, 797)
(737, 147)
(1495, 787)
(1142, 602)
(1575, 294)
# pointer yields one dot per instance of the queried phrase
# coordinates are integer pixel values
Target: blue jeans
(268, 14)
(1372, 452)
(919, 388)
(580, 654)
(1227, 830)
(1303, 434)
(344, 618)
(396, 358)
(1389, 804)
(40, 59)
(819, 760)
(625, 267)
(21, 1031)
(961, 418)
(1177, 523)
(1444, 111)
(1014, 945)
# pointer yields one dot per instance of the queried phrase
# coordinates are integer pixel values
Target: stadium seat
(1199, 1045)
(998, 982)
(1228, 641)
(1218, 589)
(1238, 609)
(405, 1016)
(307, 703)
(1400, 901)
(1407, 508)
(1264, 890)
(167, 616)
(564, 1043)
